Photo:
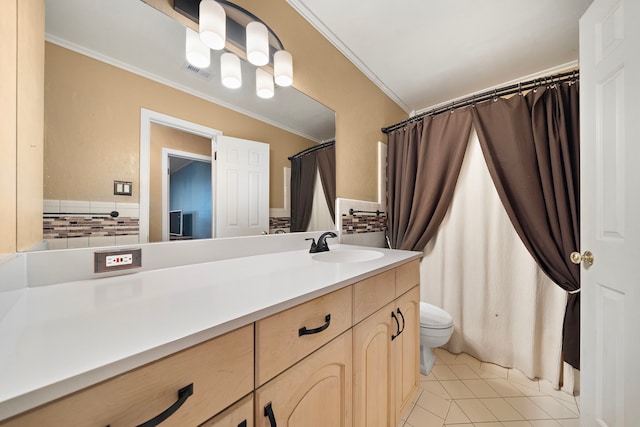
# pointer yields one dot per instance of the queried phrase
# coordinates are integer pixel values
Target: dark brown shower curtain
(303, 179)
(532, 148)
(423, 164)
(326, 159)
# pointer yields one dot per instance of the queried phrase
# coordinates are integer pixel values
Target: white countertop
(61, 338)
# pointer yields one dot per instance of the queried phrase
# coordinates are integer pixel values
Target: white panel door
(241, 187)
(610, 213)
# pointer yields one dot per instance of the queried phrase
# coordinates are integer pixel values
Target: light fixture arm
(190, 9)
(280, 46)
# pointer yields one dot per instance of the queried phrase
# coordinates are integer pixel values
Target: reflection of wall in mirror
(93, 110)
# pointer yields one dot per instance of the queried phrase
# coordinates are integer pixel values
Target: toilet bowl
(436, 327)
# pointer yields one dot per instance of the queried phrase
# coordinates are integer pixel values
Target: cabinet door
(407, 348)
(238, 415)
(316, 392)
(374, 369)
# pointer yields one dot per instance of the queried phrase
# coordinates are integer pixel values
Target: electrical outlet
(124, 259)
(117, 260)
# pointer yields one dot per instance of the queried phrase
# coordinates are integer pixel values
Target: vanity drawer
(221, 371)
(407, 276)
(286, 337)
(372, 293)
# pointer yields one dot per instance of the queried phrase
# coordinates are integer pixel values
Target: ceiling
(422, 53)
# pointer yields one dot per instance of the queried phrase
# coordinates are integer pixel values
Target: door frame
(170, 152)
(147, 117)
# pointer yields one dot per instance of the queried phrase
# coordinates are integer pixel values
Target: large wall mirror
(108, 61)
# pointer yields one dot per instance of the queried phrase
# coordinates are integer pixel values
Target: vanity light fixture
(198, 54)
(230, 71)
(264, 84)
(222, 23)
(213, 24)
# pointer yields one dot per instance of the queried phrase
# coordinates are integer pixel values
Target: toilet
(436, 327)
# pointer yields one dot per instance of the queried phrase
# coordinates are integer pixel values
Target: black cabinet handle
(394, 336)
(401, 315)
(304, 331)
(268, 412)
(183, 395)
(243, 424)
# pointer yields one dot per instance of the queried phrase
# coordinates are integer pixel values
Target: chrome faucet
(322, 245)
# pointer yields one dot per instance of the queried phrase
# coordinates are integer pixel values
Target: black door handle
(268, 412)
(304, 331)
(401, 315)
(394, 336)
(183, 395)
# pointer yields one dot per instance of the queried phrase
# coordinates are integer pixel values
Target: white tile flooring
(461, 391)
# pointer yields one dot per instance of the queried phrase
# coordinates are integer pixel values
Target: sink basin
(347, 255)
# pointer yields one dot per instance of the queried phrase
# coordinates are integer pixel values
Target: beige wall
(166, 137)
(92, 127)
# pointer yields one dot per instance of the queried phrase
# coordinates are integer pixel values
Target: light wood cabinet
(220, 371)
(238, 415)
(316, 392)
(386, 351)
(407, 351)
(374, 370)
(287, 337)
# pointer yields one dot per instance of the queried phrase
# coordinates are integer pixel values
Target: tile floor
(461, 391)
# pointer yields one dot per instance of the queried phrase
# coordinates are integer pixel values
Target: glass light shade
(198, 54)
(257, 43)
(264, 84)
(213, 24)
(230, 70)
(283, 68)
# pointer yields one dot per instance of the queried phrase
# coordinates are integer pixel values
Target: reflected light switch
(122, 188)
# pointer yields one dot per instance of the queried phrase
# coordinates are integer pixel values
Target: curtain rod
(312, 149)
(488, 95)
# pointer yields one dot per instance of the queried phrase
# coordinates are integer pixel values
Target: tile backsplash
(366, 229)
(68, 224)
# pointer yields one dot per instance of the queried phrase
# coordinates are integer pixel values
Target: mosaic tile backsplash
(64, 226)
(279, 223)
(363, 223)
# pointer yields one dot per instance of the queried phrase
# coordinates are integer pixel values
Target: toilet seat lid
(434, 317)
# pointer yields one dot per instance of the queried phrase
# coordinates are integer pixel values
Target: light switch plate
(122, 188)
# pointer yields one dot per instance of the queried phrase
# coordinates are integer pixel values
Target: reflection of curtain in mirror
(303, 177)
(327, 172)
(321, 216)
(307, 169)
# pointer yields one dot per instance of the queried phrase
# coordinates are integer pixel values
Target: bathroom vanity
(285, 339)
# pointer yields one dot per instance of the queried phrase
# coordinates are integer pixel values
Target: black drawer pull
(304, 331)
(394, 336)
(183, 395)
(401, 315)
(268, 412)
(243, 424)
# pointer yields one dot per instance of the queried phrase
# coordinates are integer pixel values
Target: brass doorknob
(587, 257)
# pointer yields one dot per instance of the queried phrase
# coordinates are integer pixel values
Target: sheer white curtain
(320, 216)
(505, 310)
